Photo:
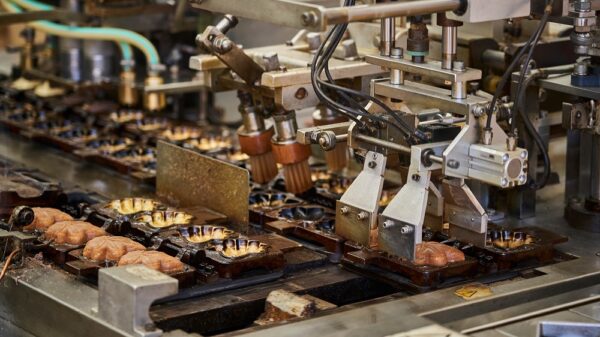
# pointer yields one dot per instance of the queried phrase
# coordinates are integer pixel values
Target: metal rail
(315, 17)
(339, 15)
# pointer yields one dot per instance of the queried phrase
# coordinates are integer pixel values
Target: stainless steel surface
(58, 297)
(69, 169)
(563, 84)
(401, 223)
(467, 218)
(357, 210)
(126, 293)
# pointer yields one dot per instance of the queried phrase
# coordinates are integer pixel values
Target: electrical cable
(526, 64)
(534, 134)
(509, 71)
(529, 127)
(353, 109)
(7, 262)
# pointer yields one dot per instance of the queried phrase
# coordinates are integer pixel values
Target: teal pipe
(123, 36)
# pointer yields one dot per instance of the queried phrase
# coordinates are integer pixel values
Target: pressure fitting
(255, 140)
(154, 101)
(128, 94)
(291, 154)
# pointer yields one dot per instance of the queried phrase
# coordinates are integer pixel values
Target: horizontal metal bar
(310, 16)
(176, 87)
(436, 159)
(57, 14)
(383, 143)
(427, 96)
(407, 8)
(284, 13)
(430, 68)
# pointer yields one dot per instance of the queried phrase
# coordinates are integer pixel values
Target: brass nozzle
(154, 101)
(128, 95)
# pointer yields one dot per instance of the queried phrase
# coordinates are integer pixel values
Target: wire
(526, 63)
(353, 108)
(511, 67)
(7, 262)
(534, 134)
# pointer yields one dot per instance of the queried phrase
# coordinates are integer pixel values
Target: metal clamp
(126, 293)
(401, 223)
(357, 209)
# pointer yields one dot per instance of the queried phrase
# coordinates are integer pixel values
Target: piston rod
(397, 147)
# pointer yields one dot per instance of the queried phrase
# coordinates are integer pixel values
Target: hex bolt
(406, 229)
(479, 110)
(372, 164)
(344, 210)
(362, 215)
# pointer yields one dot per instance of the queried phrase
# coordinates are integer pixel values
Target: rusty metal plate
(187, 179)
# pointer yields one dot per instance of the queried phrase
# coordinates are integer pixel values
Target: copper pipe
(7, 262)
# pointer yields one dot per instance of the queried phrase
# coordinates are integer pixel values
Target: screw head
(362, 215)
(372, 164)
(524, 155)
(222, 44)
(388, 223)
(309, 19)
(453, 164)
(344, 210)
(406, 229)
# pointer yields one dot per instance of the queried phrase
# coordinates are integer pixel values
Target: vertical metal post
(449, 36)
(387, 35)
